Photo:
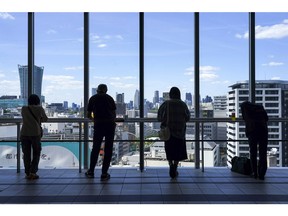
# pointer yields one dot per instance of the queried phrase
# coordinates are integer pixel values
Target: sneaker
(28, 176)
(33, 176)
(89, 174)
(105, 177)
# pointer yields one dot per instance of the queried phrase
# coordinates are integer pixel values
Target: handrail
(18, 121)
(59, 120)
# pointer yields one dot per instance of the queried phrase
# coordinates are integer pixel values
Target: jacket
(30, 126)
(178, 116)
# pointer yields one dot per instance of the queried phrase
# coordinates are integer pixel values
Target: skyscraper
(165, 96)
(273, 95)
(156, 97)
(120, 104)
(120, 98)
(37, 80)
(188, 98)
(137, 99)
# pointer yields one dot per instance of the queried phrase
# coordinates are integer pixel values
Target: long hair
(174, 93)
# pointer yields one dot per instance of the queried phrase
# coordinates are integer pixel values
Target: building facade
(37, 80)
(273, 95)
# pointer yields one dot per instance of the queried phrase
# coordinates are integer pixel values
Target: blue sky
(114, 47)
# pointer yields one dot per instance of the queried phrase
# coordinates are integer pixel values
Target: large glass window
(271, 36)
(59, 65)
(168, 61)
(224, 61)
(59, 55)
(13, 46)
(114, 61)
(169, 57)
(13, 51)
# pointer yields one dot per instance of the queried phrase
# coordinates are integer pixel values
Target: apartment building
(273, 95)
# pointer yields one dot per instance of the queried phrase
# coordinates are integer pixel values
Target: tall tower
(37, 80)
(120, 98)
(156, 97)
(137, 99)
(166, 96)
(188, 98)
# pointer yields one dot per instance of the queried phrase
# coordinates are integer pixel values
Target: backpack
(241, 165)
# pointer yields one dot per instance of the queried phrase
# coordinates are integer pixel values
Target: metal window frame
(31, 50)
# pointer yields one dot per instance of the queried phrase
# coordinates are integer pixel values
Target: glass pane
(114, 61)
(59, 51)
(224, 57)
(13, 46)
(169, 57)
(59, 56)
(271, 74)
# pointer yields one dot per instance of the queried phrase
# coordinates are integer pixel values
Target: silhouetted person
(256, 130)
(179, 114)
(103, 108)
(32, 116)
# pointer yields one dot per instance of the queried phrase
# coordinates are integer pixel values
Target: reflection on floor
(152, 186)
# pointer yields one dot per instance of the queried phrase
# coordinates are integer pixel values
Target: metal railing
(81, 140)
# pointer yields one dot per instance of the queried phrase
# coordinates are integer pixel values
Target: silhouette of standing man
(103, 108)
(256, 130)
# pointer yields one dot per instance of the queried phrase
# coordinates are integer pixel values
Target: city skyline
(169, 52)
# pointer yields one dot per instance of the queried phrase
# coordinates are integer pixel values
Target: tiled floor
(153, 186)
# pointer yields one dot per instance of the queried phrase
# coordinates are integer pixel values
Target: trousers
(31, 144)
(258, 142)
(104, 130)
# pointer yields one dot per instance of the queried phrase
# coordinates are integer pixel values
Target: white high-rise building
(273, 95)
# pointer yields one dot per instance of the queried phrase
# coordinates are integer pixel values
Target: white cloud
(128, 77)
(6, 16)
(123, 78)
(100, 77)
(276, 31)
(275, 78)
(208, 76)
(9, 87)
(121, 85)
(207, 73)
(51, 31)
(2, 75)
(273, 64)
(238, 36)
(115, 78)
(73, 68)
(102, 45)
(119, 37)
(102, 41)
(60, 82)
(123, 82)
